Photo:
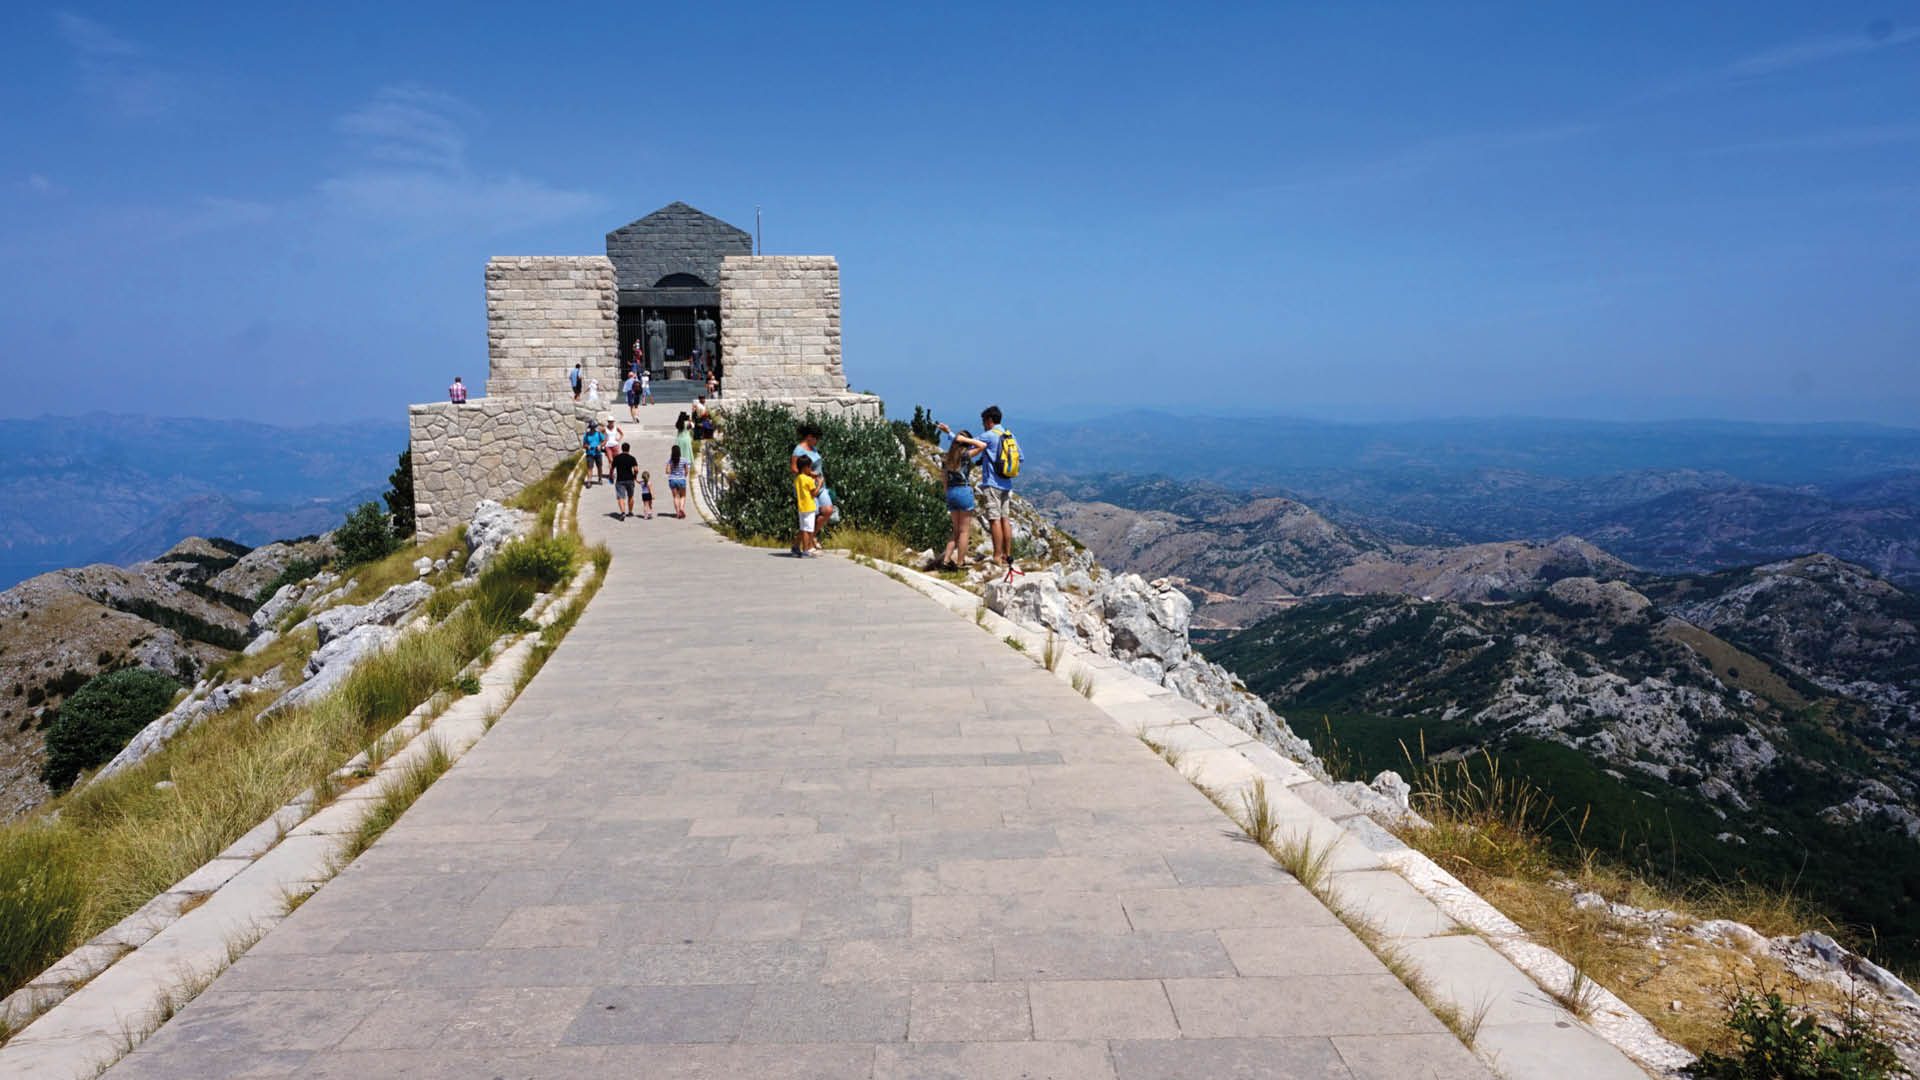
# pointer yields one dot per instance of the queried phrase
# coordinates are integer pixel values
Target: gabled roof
(676, 216)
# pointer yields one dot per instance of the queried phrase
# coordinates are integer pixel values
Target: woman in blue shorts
(962, 451)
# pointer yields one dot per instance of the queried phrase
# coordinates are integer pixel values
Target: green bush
(875, 486)
(924, 426)
(297, 570)
(96, 722)
(1774, 1044)
(544, 561)
(366, 535)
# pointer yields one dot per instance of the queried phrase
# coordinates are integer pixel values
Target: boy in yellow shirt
(806, 485)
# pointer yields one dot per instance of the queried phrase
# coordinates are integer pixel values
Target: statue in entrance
(706, 337)
(655, 329)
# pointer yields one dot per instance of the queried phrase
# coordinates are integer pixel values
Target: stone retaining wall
(489, 448)
(546, 313)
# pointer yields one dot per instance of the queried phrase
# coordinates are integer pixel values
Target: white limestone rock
(1147, 620)
(203, 702)
(389, 608)
(491, 528)
(332, 662)
(1033, 600)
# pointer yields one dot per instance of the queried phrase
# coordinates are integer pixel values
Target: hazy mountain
(75, 490)
(1661, 496)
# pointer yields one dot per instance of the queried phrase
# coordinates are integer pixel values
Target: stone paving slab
(761, 816)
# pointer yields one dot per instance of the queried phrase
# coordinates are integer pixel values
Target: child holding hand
(806, 485)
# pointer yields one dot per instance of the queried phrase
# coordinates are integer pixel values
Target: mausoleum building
(684, 285)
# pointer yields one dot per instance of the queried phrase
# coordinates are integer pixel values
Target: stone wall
(545, 314)
(780, 332)
(489, 448)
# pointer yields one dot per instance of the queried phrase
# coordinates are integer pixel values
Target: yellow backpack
(1007, 461)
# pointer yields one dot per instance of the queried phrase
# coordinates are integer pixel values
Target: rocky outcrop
(205, 700)
(386, 610)
(260, 567)
(1144, 624)
(491, 528)
(333, 662)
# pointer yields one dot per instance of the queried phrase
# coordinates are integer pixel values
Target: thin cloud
(1808, 52)
(114, 69)
(41, 184)
(412, 170)
(411, 125)
(1864, 138)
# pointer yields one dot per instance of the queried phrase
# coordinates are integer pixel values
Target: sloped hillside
(1758, 744)
(176, 614)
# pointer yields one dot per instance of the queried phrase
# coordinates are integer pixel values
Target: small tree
(399, 495)
(98, 720)
(923, 425)
(366, 535)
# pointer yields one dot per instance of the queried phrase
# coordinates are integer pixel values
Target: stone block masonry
(545, 314)
(489, 448)
(780, 332)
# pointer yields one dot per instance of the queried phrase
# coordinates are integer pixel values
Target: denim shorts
(960, 497)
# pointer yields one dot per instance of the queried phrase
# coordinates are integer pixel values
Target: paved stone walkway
(768, 818)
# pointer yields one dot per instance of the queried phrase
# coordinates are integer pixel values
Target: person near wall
(808, 450)
(631, 390)
(457, 393)
(574, 379)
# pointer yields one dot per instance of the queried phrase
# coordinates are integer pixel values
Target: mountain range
(118, 489)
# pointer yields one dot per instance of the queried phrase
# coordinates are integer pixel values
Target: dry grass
(373, 578)
(1486, 831)
(1015, 643)
(1310, 863)
(873, 545)
(1082, 682)
(418, 775)
(1050, 653)
(1256, 814)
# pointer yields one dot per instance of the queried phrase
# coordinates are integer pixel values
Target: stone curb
(1474, 957)
(166, 949)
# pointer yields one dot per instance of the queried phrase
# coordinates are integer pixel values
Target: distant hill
(1757, 722)
(111, 488)
(1669, 497)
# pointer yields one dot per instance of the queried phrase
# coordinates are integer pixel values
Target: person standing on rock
(575, 378)
(962, 451)
(808, 449)
(625, 467)
(997, 468)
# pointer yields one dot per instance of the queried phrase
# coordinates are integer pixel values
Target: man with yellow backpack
(999, 465)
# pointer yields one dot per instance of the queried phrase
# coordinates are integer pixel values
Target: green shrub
(544, 561)
(923, 426)
(366, 535)
(875, 486)
(1774, 1044)
(96, 722)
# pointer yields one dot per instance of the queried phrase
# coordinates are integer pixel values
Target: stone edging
(1473, 956)
(135, 973)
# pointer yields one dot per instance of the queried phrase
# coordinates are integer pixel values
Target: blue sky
(1353, 210)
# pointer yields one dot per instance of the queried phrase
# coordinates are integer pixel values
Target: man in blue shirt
(996, 491)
